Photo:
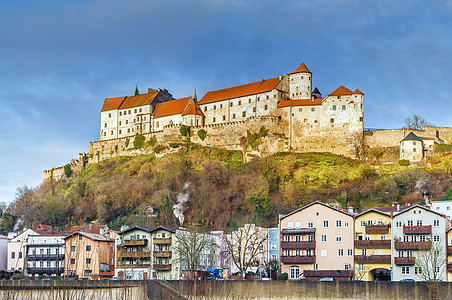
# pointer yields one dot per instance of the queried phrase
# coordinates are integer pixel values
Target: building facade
(89, 255)
(17, 248)
(317, 241)
(373, 246)
(417, 232)
(416, 148)
(443, 207)
(45, 254)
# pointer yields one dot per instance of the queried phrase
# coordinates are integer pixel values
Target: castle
(295, 116)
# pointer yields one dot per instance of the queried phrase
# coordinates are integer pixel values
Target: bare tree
(361, 272)
(416, 122)
(357, 142)
(431, 265)
(244, 246)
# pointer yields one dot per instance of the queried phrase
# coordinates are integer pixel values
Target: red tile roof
(240, 91)
(172, 107)
(342, 90)
(193, 109)
(301, 102)
(358, 92)
(112, 103)
(89, 228)
(138, 100)
(301, 69)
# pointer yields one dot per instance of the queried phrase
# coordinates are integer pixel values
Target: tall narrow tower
(300, 83)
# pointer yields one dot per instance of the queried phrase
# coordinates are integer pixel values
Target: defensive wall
(156, 289)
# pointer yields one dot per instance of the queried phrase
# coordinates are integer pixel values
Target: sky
(59, 60)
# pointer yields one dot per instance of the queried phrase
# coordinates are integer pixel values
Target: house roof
(373, 210)
(149, 229)
(171, 107)
(193, 109)
(412, 137)
(342, 90)
(321, 203)
(391, 209)
(240, 90)
(301, 69)
(89, 228)
(92, 236)
(112, 103)
(301, 102)
(43, 229)
(424, 208)
(358, 92)
(138, 100)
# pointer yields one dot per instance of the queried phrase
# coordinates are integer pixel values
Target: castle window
(135, 111)
(205, 108)
(315, 121)
(334, 107)
(230, 104)
(157, 124)
(265, 107)
(111, 133)
(105, 134)
(343, 107)
(119, 131)
(305, 120)
(120, 113)
(213, 119)
(355, 106)
(268, 97)
(361, 106)
(140, 109)
(144, 118)
(128, 130)
(240, 102)
(254, 109)
(300, 109)
(138, 127)
(233, 116)
(130, 111)
(214, 107)
(360, 119)
(249, 100)
(309, 78)
(127, 122)
(313, 109)
(414, 143)
(301, 77)
(224, 118)
(109, 115)
(338, 97)
(244, 114)
(119, 123)
(221, 105)
(414, 149)
(274, 96)
(332, 120)
(105, 125)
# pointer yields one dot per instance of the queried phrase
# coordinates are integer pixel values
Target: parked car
(326, 279)
(407, 280)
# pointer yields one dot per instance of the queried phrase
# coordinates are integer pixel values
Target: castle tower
(300, 83)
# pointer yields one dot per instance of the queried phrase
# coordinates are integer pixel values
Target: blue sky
(60, 59)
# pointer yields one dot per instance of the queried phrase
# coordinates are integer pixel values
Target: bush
(404, 162)
(152, 141)
(127, 142)
(159, 148)
(283, 276)
(185, 130)
(139, 141)
(366, 172)
(68, 170)
(202, 134)
(174, 145)
(443, 148)
(254, 139)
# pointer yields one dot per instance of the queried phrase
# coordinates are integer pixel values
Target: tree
(245, 245)
(139, 141)
(376, 153)
(416, 122)
(202, 134)
(431, 263)
(357, 142)
(137, 92)
(68, 170)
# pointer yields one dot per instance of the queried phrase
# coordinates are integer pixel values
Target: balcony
(298, 259)
(376, 259)
(162, 241)
(337, 274)
(449, 267)
(412, 245)
(298, 245)
(449, 250)
(162, 254)
(417, 229)
(297, 231)
(377, 228)
(45, 257)
(162, 267)
(42, 271)
(134, 254)
(133, 265)
(142, 242)
(106, 273)
(373, 243)
(404, 260)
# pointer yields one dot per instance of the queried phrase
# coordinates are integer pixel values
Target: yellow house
(373, 246)
(449, 254)
(89, 255)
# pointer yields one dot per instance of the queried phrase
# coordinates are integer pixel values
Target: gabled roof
(240, 90)
(342, 90)
(358, 92)
(112, 103)
(420, 206)
(391, 209)
(375, 211)
(149, 229)
(321, 203)
(138, 100)
(301, 102)
(89, 228)
(301, 69)
(412, 137)
(193, 109)
(172, 107)
(92, 236)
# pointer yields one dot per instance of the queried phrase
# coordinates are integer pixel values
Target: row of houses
(313, 242)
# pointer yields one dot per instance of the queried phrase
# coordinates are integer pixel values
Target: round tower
(300, 83)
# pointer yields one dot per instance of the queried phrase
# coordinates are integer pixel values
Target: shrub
(159, 148)
(139, 141)
(366, 172)
(202, 134)
(185, 130)
(404, 162)
(68, 170)
(127, 142)
(152, 141)
(443, 148)
(283, 276)
(254, 139)
(174, 145)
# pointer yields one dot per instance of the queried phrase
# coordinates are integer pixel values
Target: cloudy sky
(60, 59)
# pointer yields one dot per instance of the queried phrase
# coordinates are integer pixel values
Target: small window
(230, 104)
(240, 102)
(254, 109)
(310, 224)
(436, 223)
(244, 114)
(80, 237)
(130, 111)
(135, 111)
(72, 261)
(346, 266)
(120, 113)
(88, 248)
(88, 261)
(300, 109)
(140, 109)
(332, 120)
(334, 107)
(233, 116)
(105, 125)
(72, 248)
(338, 238)
(205, 108)
(343, 107)
(313, 109)
(249, 100)
(224, 118)
(350, 252)
(119, 123)
(340, 252)
(213, 120)
(221, 105)
(214, 107)
(109, 115)
(323, 238)
(338, 224)
(265, 107)
(355, 106)
(325, 224)
(360, 119)
(127, 122)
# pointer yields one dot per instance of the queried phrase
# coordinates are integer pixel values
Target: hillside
(217, 190)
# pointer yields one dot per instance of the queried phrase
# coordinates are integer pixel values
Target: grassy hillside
(223, 192)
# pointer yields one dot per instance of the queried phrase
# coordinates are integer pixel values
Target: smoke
(179, 207)
(18, 224)
(421, 185)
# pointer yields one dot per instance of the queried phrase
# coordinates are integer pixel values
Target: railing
(134, 254)
(449, 267)
(449, 250)
(412, 245)
(373, 259)
(35, 257)
(373, 243)
(327, 273)
(38, 270)
(141, 242)
(298, 245)
(404, 260)
(136, 265)
(417, 229)
(377, 228)
(162, 253)
(162, 267)
(162, 241)
(298, 259)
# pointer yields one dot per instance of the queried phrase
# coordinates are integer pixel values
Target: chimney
(398, 207)
(350, 209)
(280, 77)
(101, 230)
